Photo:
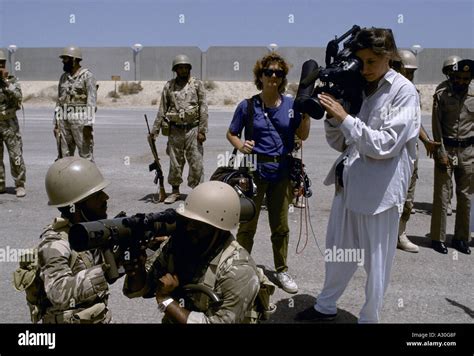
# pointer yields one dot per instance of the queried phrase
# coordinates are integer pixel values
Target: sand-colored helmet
(449, 63)
(181, 59)
(214, 203)
(71, 51)
(71, 180)
(408, 59)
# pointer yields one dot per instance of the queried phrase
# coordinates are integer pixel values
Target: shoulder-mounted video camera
(341, 78)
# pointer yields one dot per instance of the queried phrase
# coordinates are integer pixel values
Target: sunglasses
(269, 72)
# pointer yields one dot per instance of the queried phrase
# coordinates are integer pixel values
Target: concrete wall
(217, 63)
(430, 63)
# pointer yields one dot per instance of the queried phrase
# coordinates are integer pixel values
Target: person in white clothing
(372, 176)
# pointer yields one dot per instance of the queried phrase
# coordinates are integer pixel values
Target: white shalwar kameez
(379, 151)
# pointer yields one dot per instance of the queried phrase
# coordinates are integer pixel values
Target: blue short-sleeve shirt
(273, 132)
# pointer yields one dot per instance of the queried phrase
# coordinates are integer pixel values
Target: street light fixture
(11, 57)
(272, 47)
(416, 49)
(137, 47)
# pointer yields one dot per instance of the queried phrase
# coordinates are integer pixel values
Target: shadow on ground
(467, 310)
(289, 307)
(149, 199)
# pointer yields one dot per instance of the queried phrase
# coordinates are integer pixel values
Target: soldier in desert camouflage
(183, 116)
(75, 282)
(76, 106)
(10, 102)
(202, 253)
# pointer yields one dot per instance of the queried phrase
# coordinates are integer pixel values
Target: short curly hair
(263, 63)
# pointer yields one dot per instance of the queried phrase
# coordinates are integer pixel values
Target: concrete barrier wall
(217, 63)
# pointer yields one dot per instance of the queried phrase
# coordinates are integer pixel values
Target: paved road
(425, 288)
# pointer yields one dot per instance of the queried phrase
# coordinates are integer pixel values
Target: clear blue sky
(46, 23)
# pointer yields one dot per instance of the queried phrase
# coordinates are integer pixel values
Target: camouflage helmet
(71, 51)
(449, 62)
(408, 59)
(2, 56)
(181, 59)
(214, 203)
(71, 180)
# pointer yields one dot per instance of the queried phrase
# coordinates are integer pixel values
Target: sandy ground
(220, 95)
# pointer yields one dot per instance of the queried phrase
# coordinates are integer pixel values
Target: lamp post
(272, 47)
(416, 49)
(11, 57)
(137, 47)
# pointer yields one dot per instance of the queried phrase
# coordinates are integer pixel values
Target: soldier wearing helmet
(10, 102)
(202, 252)
(76, 106)
(407, 65)
(452, 120)
(183, 116)
(74, 282)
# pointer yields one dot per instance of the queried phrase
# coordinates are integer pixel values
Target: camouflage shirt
(77, 96)
(452, 116)
(76, 287)
(183, 104)
(232, 274)
(10, 97)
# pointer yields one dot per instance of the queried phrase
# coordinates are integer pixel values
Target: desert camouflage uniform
(453, 119)
(75, 110)
(10, 101)
(186, 110)
(78, 294)
(231, 274)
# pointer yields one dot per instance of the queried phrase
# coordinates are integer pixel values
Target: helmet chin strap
(214, 238)
(83, 215)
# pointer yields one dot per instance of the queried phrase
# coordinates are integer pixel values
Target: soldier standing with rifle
(183, 116)
(76, 107)
(10, 102)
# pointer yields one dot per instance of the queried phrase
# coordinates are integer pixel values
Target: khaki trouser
(279, 195)
(183, 146)
(461, 160)
(409, 202)
(10, 135)
(75, 134)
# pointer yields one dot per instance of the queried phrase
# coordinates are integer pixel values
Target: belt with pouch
(458, 143)
(185, 126)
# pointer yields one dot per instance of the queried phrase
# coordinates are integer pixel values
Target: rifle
(57, 135)
(155, 166)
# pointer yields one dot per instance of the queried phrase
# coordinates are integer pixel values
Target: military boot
(175, 195)
(403, 242)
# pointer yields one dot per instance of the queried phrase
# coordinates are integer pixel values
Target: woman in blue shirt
(274, 127)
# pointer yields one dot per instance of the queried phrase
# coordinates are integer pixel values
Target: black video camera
(341, 78)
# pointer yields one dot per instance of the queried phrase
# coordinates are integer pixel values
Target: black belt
(458, 143)
(270, 159)
(185, 126)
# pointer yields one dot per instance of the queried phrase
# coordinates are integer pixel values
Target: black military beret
(465, 65)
